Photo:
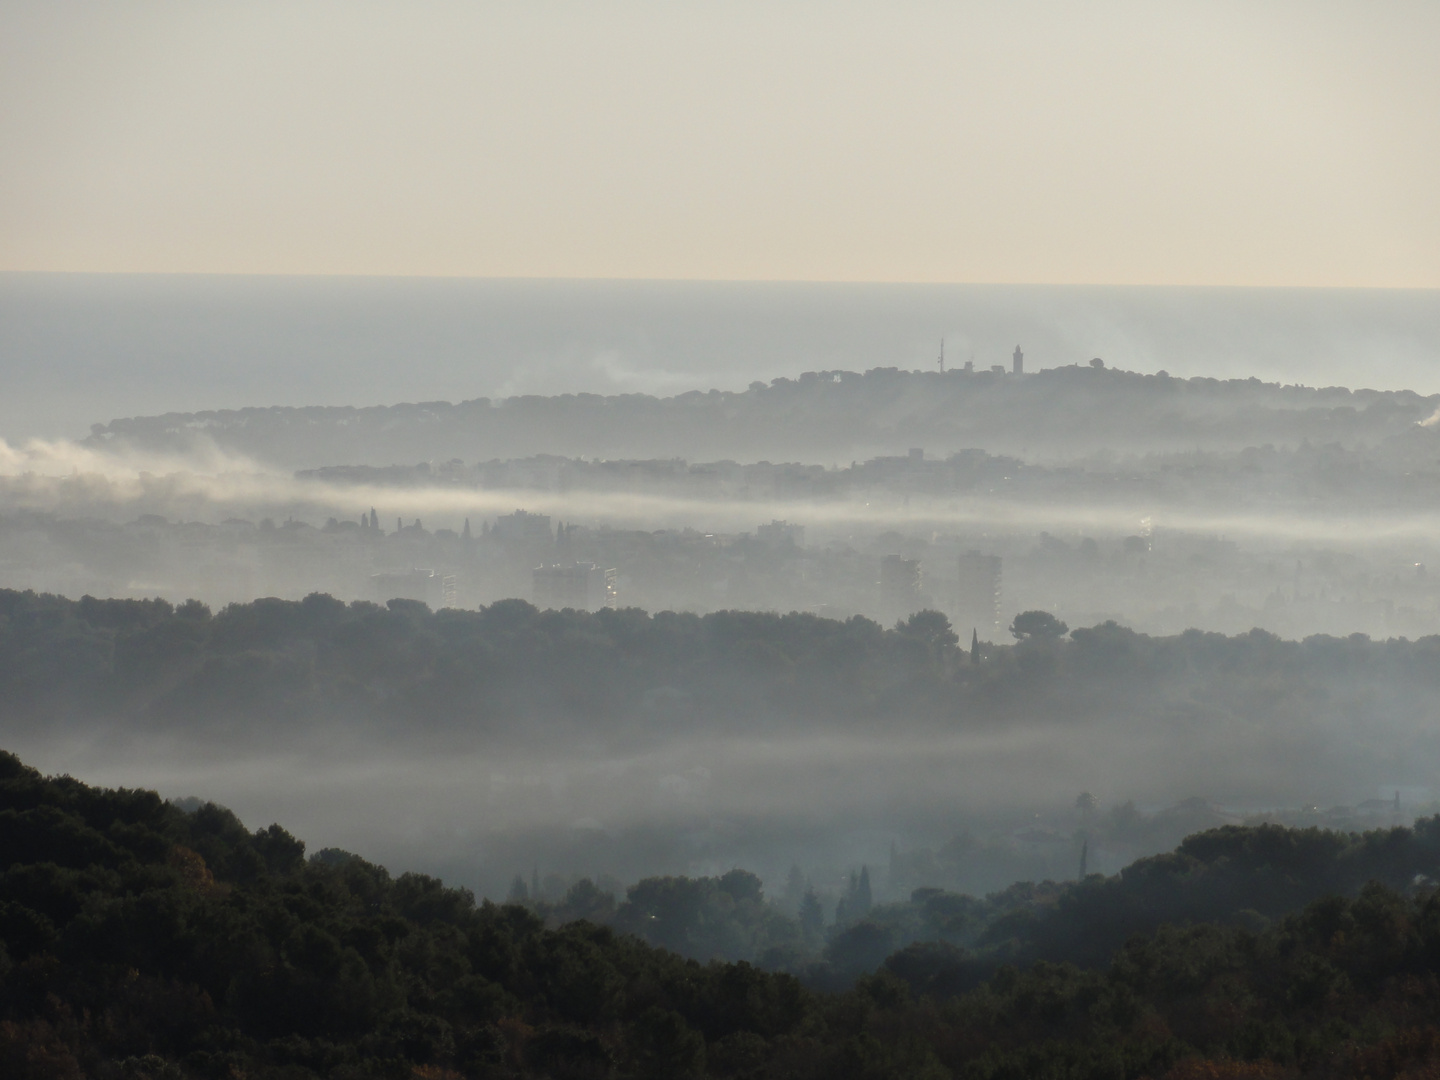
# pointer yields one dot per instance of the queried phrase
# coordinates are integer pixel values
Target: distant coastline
(77, 349)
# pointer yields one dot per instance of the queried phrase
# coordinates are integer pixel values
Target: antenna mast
(942, 356)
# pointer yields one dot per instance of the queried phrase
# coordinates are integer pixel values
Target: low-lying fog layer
(483, 744)
(1280, 540)
(61, 477)
(438, 723)
(827, 804)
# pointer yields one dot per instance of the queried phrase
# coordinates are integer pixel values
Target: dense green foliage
(1239, 876)
(142, 941)
(133, 930)
(510, 669)
(1247, 877)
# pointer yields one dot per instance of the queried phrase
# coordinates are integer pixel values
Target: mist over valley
(644, 541)
(1242, 567)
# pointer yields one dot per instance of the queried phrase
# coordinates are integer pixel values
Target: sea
(81, 349)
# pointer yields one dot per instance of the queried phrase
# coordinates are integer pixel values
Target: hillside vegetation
(819, 417)
(144, 941)
(511, 671)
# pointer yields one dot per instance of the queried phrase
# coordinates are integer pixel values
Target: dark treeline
(1241, 876)
(140, 940)
(623, 674)
(821, 416)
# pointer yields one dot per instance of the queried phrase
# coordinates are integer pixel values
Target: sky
(1154, 143)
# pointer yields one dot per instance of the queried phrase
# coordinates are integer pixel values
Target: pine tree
(812, 915)
(844, 907)
(794, 889)
(519, 893)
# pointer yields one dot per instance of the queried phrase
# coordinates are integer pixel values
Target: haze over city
(896, 504)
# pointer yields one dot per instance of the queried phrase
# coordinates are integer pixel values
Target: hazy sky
(1187, 143)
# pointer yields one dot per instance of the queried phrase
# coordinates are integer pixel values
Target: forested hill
(272, 670)
(822, 417)
(142, 942)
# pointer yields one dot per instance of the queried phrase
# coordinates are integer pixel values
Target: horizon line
(642, 280)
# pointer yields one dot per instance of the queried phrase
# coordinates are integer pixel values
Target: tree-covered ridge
(511, 670)
(817, 417)
(150, 661)
(137, 936)
(1399, 471)
(1242, 876)
(138, 940)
